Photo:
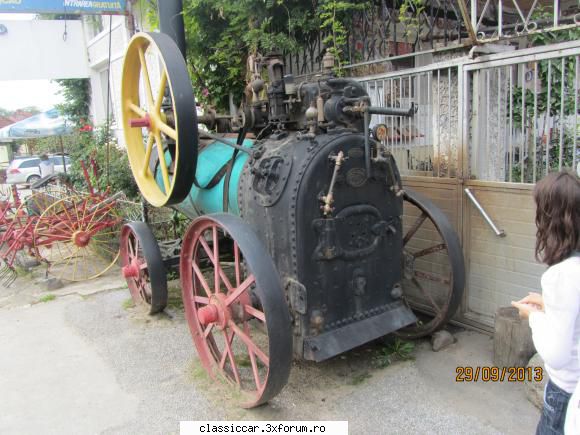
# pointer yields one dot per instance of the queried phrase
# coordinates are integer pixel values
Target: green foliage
(221, 34)
(128, 304)
(397, 350)
(334, 14)
(409, 13)
(77, 98)
(92, 146)
(554, 97)
(47, 298)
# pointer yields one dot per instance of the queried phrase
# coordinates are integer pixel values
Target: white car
(26, 170)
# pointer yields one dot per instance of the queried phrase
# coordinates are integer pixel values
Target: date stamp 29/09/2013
(498, 374)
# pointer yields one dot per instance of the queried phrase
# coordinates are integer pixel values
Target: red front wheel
(235, 307)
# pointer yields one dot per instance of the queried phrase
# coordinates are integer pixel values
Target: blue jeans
(554, 411)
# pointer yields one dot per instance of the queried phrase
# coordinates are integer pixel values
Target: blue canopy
(48, 123)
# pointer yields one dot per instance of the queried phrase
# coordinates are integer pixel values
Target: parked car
(26, 170)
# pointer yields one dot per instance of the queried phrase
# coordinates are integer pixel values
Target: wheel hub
(215, 312)
(131, 270)
(81, 238)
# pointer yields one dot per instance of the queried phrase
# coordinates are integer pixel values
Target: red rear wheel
(142, 266)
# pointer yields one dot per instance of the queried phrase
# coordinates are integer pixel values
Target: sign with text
(64, 6)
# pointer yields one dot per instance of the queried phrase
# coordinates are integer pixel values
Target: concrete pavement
(84, 363)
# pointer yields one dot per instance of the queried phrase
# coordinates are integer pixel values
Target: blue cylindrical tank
(209, 161)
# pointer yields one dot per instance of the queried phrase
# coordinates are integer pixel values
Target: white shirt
(46, 168)
(556, 332)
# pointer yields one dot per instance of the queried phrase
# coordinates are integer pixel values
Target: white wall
(98, 55)
(97, 47)
(32, 50)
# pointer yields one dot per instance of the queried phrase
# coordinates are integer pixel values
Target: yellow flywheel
(159, 118)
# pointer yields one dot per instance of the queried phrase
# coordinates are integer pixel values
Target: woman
(555, 314)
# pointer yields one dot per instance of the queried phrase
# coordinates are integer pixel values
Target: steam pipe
(171, 21)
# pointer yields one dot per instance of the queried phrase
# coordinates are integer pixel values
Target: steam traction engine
(297, 246)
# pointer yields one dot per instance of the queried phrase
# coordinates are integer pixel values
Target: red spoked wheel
(142, 266)
(235, 307)
(77, 237)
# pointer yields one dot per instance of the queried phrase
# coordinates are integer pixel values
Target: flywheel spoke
(137, 110)
(160, 91)
(169, 131)
(147, 84)
(162, 163)
(148, 150)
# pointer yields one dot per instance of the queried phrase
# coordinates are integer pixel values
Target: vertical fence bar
(500, 147)
(449, 121)
(392, 117)
(556, 12)
(535, 165)
(499, 17)
(400, 119)
(576, 80)
(429, 129)
(548, 117)
(385, 103)
(410, 120)
(510, 131)
(418, 114)
(487, 112)
(523, 142)
(561, 120)
(438, 156)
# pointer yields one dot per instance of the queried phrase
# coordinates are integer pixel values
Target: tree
(77, 98)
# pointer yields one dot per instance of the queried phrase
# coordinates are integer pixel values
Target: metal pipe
(375, 110)
(496, 230)
(206, 134)
(171, 21)
(367, 144)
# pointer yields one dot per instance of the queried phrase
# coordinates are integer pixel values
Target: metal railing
(497, 19)
(427, 143)
(524, 118)
(381, 38)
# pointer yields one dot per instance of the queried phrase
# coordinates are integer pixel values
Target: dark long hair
(557, 198)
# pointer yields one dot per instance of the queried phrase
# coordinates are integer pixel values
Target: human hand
(525, 309)
(535, 299)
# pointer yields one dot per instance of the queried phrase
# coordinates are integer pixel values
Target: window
(94, 25)
(30, 163)
(57, 160)
(104, 76)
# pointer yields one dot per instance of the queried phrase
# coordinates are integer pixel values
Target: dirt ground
(87, 361)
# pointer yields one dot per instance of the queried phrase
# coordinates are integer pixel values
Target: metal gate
(485, 131)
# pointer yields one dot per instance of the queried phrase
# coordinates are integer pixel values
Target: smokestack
(171, 21)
